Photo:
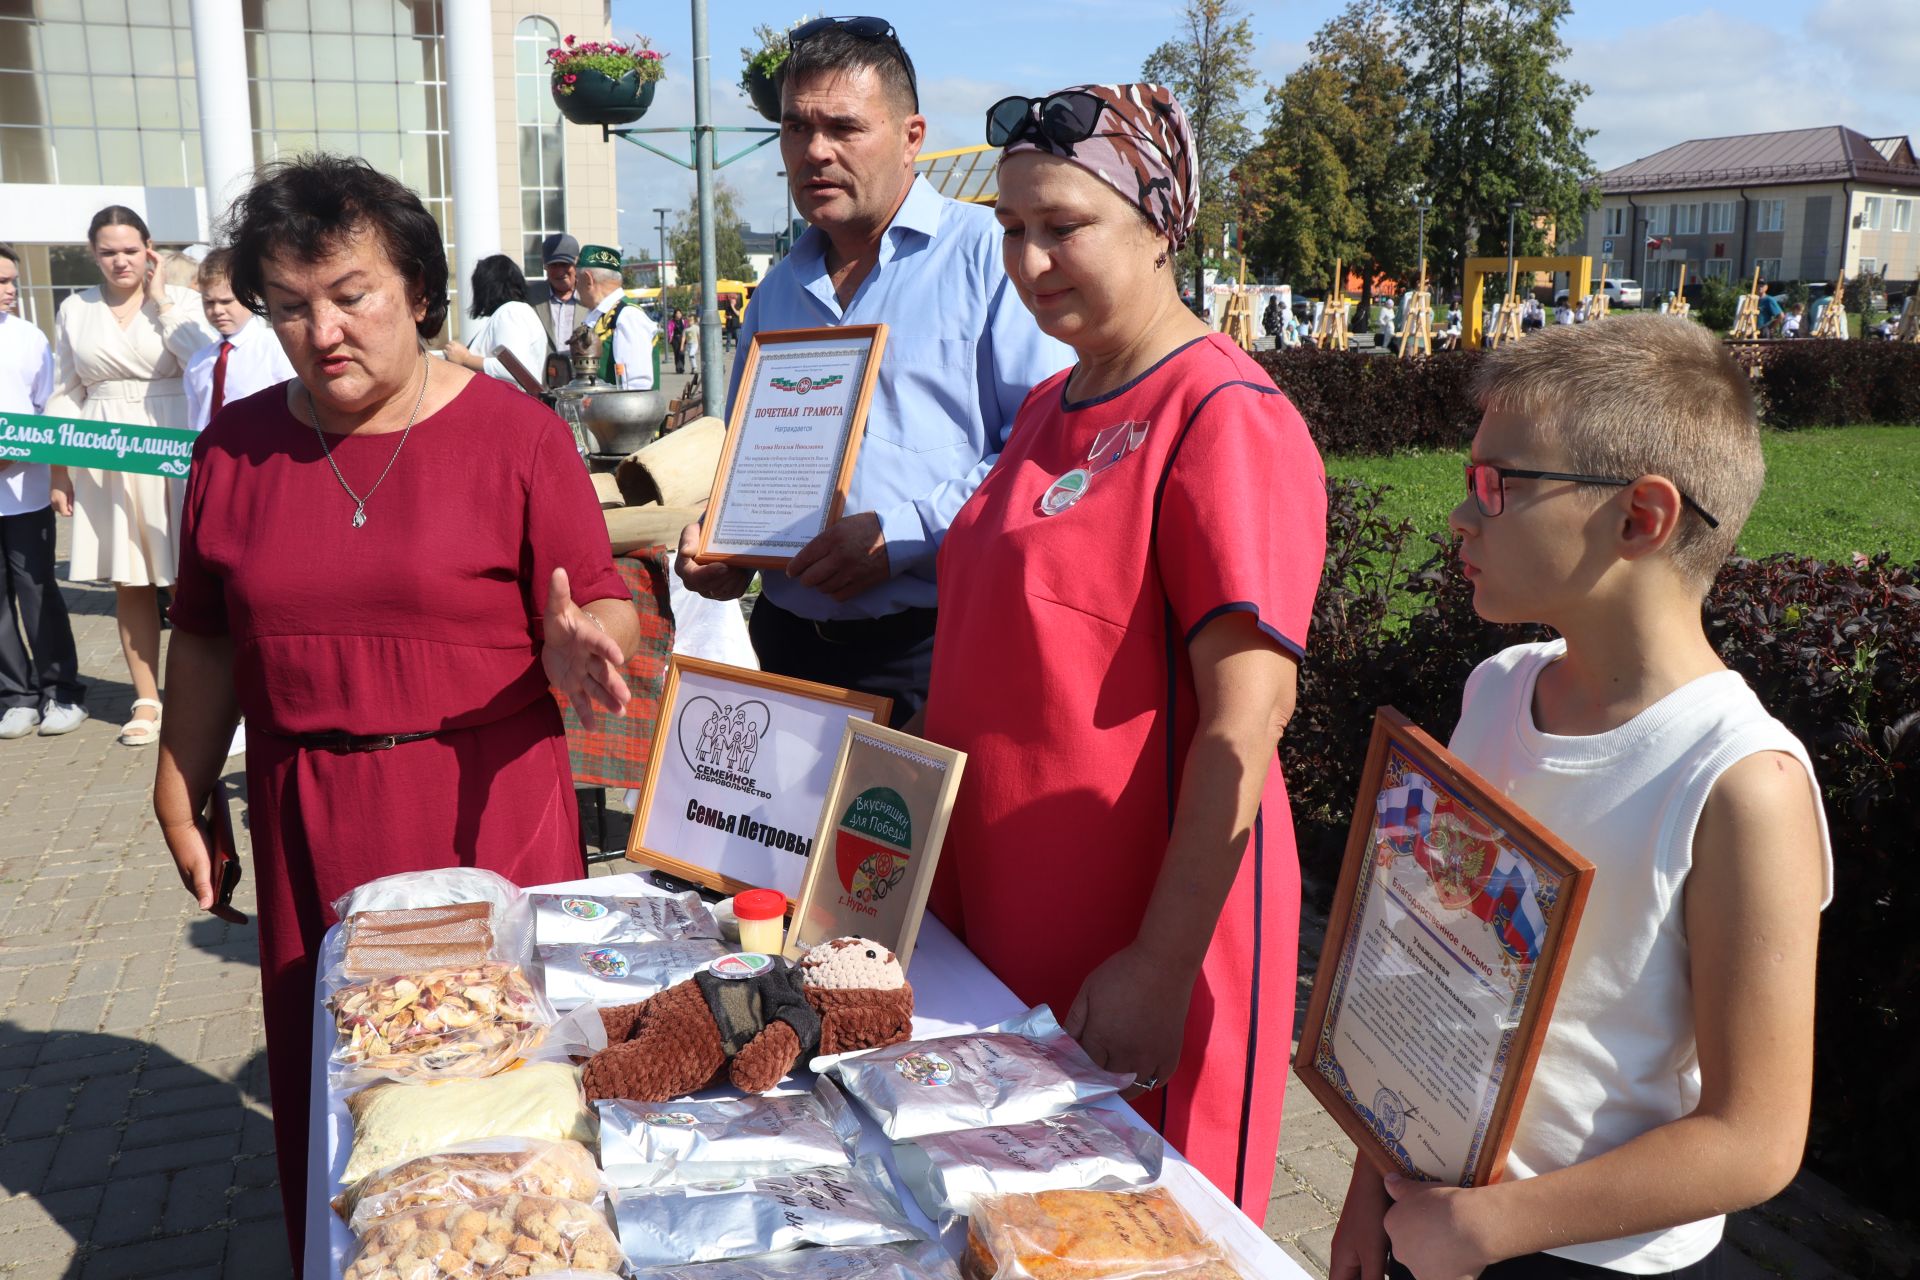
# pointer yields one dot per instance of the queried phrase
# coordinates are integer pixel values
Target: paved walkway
(134, 1120)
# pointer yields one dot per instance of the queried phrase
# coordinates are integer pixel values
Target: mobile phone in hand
(216, 823)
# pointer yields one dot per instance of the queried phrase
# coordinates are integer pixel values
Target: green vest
(603, 330)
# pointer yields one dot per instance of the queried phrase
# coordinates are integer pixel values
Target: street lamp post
(1513, 211)
(660, 263)
(1421, 206)
(786, 228)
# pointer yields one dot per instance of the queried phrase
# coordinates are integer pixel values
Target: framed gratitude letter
(791, 444)
(1445, 947)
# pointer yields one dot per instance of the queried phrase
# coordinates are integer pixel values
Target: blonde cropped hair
(1630, 396)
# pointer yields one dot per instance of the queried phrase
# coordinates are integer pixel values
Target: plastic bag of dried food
(417, 920)
(621, 973)
(588, 919)
(472, 1171)
(495, 1237)
(649, 1144)
(1020, 1070)
(436, 1024)
(1089, 1235)
(924, 1261)
(707, 1222)
(396, 1122)
(1094, 1148)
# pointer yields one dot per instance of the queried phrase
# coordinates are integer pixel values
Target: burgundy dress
(425, 618)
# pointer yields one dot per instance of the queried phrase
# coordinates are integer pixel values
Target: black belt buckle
(379, 742)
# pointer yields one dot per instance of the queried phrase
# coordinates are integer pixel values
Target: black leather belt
(904, 629)
(355, 742)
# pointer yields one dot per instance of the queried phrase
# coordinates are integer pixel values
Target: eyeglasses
(865, 28)
(1066, 118)
(1488, 485)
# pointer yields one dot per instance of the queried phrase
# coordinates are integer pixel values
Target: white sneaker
(61, 717)
(19, 722)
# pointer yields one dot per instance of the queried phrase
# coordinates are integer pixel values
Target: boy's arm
(1752, 915)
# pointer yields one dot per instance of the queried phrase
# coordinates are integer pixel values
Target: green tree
(729, 250)
(1208, 66)
(1337, 169)
(1486, 81)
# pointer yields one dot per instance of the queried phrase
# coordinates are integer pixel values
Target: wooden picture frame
(820, 358)
(758, 788)
(881, 830)
(1447, 942)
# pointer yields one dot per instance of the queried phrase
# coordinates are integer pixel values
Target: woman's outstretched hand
(581, 660)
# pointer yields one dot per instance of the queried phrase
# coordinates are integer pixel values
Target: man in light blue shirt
(855, 607)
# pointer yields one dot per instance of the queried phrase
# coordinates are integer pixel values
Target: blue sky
(1661, 70)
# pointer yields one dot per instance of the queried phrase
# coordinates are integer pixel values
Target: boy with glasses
(1613, 468)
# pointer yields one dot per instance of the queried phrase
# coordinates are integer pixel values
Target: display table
(953, 993)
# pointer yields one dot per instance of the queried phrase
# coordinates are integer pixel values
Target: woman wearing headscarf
(1123, 604)
(386, 562)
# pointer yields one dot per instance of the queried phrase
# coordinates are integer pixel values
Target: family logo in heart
(721, 741)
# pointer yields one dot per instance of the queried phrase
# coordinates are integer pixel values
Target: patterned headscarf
(1142, 147)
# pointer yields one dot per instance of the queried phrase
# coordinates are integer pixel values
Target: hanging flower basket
(603, 81)
(764, 91)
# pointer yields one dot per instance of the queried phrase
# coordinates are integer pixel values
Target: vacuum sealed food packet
(395, 1122)
(1089, 1235)
(739, 1218)
(499, 1236)
(436, 1023)
(412, 921)
(471, 1171)
(621, 973)
(1091, 1148)
(650, 1144)
(1020, 1070)
(585, 918)
(924, 1261)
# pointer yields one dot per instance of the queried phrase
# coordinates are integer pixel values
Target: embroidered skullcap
(1141, 146)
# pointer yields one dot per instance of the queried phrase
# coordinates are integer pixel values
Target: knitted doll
(843, 995)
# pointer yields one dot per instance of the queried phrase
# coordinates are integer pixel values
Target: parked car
(1620, 293)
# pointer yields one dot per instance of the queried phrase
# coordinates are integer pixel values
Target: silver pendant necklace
(360, 503)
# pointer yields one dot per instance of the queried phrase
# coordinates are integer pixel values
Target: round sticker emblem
(673, 1119)
(1065, 491)
(606, 962)
(744, 964)
(928, 1070)
(583, 908)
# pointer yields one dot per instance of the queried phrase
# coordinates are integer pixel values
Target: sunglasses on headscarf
(866, 29)
(1064, 118)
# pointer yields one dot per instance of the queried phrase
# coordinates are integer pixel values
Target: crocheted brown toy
(843, 995)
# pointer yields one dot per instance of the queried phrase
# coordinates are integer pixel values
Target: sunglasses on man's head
(865, 28)
(1488, 486)
(1066, 118)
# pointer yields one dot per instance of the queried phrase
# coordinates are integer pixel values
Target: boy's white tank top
(1619, 1057)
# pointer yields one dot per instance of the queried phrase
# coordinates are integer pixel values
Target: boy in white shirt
(39, 668)
(246, 358)
(1613, 467)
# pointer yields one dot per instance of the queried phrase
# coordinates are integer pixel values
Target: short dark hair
(11, 254)
(118, 215)
(497, 280)
(839, 51)
(307, 206)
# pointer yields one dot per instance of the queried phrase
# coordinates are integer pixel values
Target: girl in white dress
(499, 302)
(118, 354)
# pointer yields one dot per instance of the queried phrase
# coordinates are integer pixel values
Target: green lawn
(1830, 492)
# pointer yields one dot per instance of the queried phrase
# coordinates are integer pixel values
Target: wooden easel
(1237, 320)
(1330, 327)
(1909, 330)
(1746, 314)
(1679, 306)
(1833, 316)
(1418, 331)
(1596, 307)
(1506, 325)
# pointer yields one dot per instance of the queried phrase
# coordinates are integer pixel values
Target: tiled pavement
(134, 1131)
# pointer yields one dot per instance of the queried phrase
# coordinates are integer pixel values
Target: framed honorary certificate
(740, 767)
(1445, 948)
(879, 840)
(791, 444)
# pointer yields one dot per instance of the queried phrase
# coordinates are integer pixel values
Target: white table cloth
(953, 993)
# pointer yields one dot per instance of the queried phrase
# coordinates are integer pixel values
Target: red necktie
(220, 378)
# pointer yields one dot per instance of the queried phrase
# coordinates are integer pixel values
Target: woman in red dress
(387, 545)
(1123, 603)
